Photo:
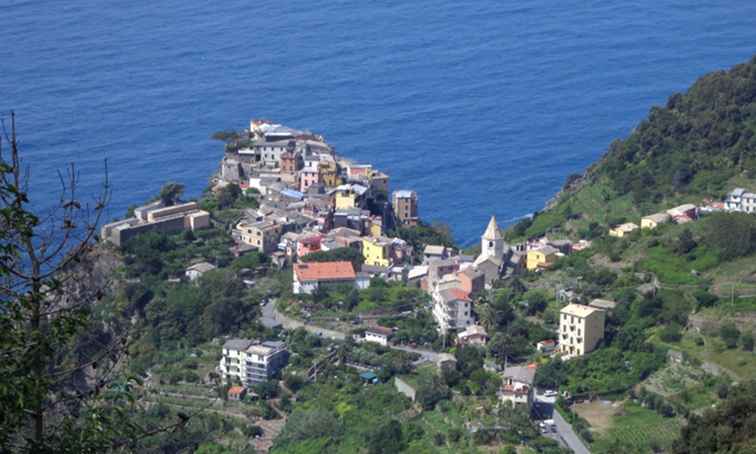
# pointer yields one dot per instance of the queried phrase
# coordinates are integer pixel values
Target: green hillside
(701, 144)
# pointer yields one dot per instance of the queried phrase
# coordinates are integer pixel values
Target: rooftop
(473, 330)
(603, 304)
(201, 267)
(237, 344)
(657, 217)
(578, 310)
(492, 231)
(522, 374)
(317, 271)
(382, 330)
(432, 249)
(404, 194)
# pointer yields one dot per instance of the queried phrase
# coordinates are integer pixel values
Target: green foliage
(666, 153)
(430, 391)
(728, 428)
(422, 235)
(339, 254)
(732, 235)
(729, 334)
(170, 193)
(685, 242)
(551, 375)
(746, 341)
(386, 438)
(671, 333)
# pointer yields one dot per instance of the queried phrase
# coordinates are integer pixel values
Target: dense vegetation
(700, 144)
(729, 428)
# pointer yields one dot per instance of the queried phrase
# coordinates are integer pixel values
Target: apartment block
(580, 329)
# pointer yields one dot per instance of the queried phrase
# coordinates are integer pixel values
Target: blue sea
(483, 107)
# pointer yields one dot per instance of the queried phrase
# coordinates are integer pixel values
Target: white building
(196, 271)
(580, 329)
(452, 309)
(517, 384)
(741, 200)
(248, 361)
(378, 335)
(309, 276)
(472, 335)
(494, 253)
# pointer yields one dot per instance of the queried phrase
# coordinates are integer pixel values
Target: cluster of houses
(312, 200)
(679, 215)
(738, 200)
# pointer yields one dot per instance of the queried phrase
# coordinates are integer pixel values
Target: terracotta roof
(324, 271)
(235, 390)
(380, 330)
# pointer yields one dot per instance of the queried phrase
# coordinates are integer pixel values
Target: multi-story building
(264, 235)
(517, 384)
(156, 217)
(741, 200)
(404, 204)
(543, 256)
(376, 251)
(249, 361)
(580, 329)
(452, 310)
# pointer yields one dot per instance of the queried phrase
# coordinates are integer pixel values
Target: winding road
(269, 311)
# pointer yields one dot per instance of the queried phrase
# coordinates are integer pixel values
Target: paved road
(269, 311)
(564, 429)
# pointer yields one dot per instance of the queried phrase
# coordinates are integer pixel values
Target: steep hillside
(701, 144)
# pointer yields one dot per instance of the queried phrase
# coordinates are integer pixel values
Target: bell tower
(492, 242)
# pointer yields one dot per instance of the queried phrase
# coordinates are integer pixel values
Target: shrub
(746, 340)
(671, 333)
(729, 334)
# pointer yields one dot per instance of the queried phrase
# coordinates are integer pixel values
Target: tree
(386, 438)
(729, 334)
(731, 234)
(338, 254)
(730, 427)
(227, 195)
(504, 346)
(685, 242)
(170, 193)
(58, 391)
(551, 375)
(430, 390)
(469, 359)
(746, 340)
(671, 333)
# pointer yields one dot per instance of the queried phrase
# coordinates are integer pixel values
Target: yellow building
(541, 257)
(329, 174)
(345, 199)
(580, 329)
(623, 229)
(376, 251)
(654, 220)
(376, 227)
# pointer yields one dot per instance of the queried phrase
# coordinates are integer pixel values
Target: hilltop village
(360, 268)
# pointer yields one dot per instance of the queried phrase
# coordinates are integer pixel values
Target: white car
(550, 393)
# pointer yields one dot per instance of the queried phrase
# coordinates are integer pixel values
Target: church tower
(492, 242)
